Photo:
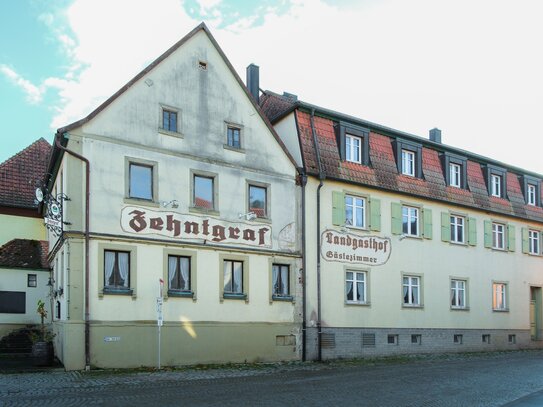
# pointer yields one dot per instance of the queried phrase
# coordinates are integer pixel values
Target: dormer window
(530, 198)
(531, 187)
(408, 163)
(455, 170)
(496, 180)
(353, 142)
(496, 185)
(408, 157)
(454, 174)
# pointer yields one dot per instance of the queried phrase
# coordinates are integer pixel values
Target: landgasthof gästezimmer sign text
(354, 249)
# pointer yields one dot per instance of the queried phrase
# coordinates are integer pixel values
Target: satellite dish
(39, 194)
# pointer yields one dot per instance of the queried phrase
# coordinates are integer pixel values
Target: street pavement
(493, 379)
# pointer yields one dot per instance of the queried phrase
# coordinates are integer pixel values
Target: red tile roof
(22, 173)
(24, 253)
(383, 172)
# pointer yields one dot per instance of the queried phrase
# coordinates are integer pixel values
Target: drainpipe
(87, 221)
(322, 177)
(303, 182)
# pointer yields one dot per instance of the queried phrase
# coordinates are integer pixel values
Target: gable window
(455, 175)
(169, 120)
(498, 236)
(496, 185)
(280, 280)
(353, 148)
(531, 195)
(116, 270)
(141, 181)
(203, 192)
(411, 290)
(179, 273)
(353, 143)
(233, 277)
(410, 221)
(533, 239)
(233, 135)
(457, 229)
(258, 200)
(408, 163)
(355, 211)
(499, 296)
(458, 294)
(355, 287)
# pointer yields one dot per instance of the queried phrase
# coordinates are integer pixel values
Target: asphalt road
(461, 380)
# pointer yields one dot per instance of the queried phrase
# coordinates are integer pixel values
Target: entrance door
(535, 313)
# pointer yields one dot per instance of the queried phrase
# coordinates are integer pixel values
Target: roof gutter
(87, 228)
(322, 177)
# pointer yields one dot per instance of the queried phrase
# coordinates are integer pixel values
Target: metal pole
(159, 345)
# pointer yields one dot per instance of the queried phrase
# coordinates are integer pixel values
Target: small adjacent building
(176, 211)
(411, 245)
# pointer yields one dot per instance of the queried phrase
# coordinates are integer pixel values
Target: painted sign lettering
(144, 221)
(354, 249)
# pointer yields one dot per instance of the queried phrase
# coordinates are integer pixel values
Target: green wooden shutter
(472, 231)
(396, 210)
(445, 226)
(488, 233)
(427, 219)
(525, 240)
(511, 238)
(338, 208)
(375, 214)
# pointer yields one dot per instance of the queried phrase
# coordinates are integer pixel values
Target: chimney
(435, 135)
(290, 96)
(253, 82)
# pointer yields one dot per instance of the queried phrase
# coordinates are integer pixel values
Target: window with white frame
(455, 171)
(179, 273)
(410, 221)
(353, 148)
(496, 185)
(355, 287)
(280, 280)
(533, 239)
(355, 211)
(498, 236)
(408, 163)
(499, 296)
(457, 229)
(532, 194)
(233, 277)
(458, 293)
(411, 290)
(116, 270)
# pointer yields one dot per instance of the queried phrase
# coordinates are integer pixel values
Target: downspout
(303, 182)
(87, 221)
(322, 177)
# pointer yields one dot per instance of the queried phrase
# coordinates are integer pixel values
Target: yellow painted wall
(20, 227)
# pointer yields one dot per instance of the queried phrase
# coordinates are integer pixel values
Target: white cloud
(33, 93)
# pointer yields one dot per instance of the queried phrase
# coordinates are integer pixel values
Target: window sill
(117, 291)
(180, 294)
(357, 303)
(463, 244)
(497, 249)
(534, 254)
(196, 209)
(236, 149)
(357, 228)
(500, 310)
(459, 308)
(408, 306)
(141, 202)
(285, 298)
(262, 220)
(170, 133)
(234, 296)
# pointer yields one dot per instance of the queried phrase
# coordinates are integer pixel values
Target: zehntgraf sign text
(354, 249)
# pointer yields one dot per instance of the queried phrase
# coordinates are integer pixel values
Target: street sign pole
(160, 319)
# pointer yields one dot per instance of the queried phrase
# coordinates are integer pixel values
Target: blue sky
(469, 68)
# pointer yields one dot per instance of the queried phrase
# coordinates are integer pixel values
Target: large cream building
(411, 245)
(179, 178)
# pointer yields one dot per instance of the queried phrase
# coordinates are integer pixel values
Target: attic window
(408, 157)
(496, 181)
(353, 143)
(531, 188)
(455, 170)
(202, 65)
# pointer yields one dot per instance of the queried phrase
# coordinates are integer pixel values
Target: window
(457, 229)
(458, 294)
(203, 192)
(178, 274)
(233, 278)
(498, 236)
(411, 291)
(458, 338)
(408, 163)
(141, 181)
(512, 339)
(355, 286)
(258, 201)
(533, 238)
(455, 175)
(116, 270)
(280, 280)
(169, 120)
(355, 211)
(499, 296)
(496, 184)
(531, 195)
(416, 339)
(486, 338)
(410, 221)
(32, 280)
(233, 135)
(353, 148)
(392, 339)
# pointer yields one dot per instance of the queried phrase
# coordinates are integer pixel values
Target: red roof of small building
(24, 253)
(21, 174)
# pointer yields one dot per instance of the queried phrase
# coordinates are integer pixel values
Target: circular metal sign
(55, 210)
(39, 194)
